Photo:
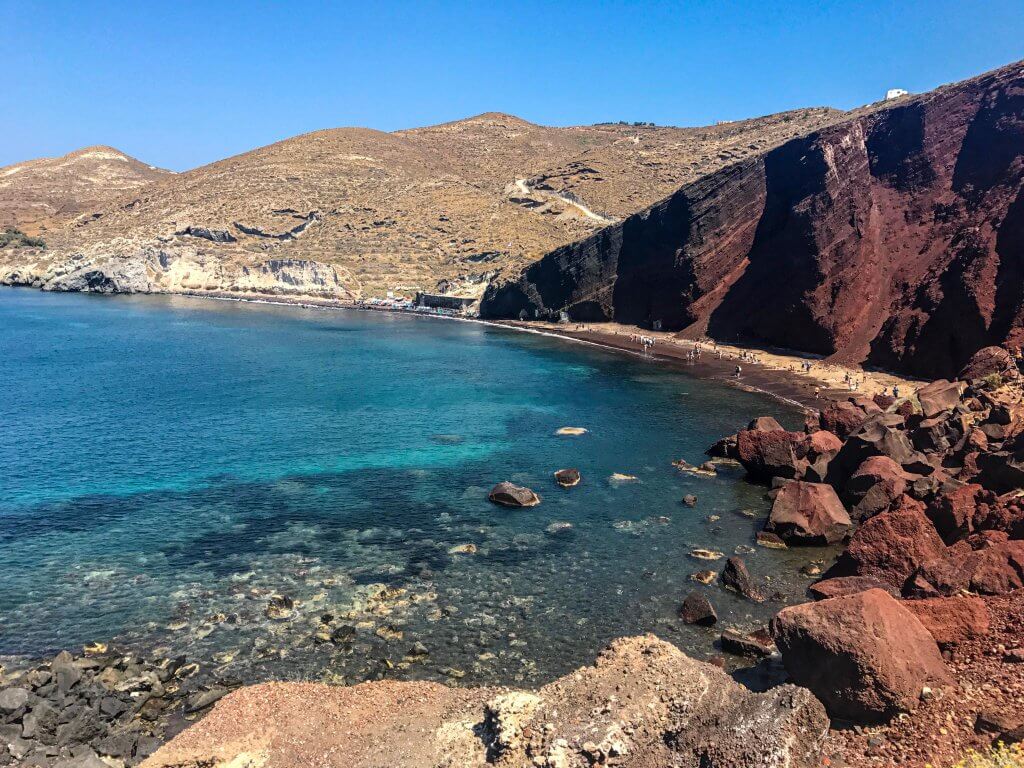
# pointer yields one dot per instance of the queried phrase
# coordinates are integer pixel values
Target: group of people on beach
(644, 341)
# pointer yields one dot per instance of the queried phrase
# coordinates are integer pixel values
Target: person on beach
(738, 371)
(895, 391)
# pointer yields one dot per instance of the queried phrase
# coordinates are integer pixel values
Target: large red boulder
(768, 453)
(865, 656)
(842, 418)
(952, 620)
(939, 396)
(875, 485)
(891, 545)
(808, 513)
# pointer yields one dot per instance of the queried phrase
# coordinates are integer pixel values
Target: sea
(301, 493)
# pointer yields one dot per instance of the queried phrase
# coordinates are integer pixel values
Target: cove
(289, 492)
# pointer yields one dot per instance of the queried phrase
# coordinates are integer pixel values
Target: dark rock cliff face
(895, 239)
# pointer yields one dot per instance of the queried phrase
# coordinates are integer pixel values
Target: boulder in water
(567, 478)
(511, 495)
(697, 609)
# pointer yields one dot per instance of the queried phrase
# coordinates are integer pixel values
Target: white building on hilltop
(895, 93)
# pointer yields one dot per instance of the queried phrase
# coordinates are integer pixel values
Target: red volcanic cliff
(895, 238)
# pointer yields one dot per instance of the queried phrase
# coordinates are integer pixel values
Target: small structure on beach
(444, 301)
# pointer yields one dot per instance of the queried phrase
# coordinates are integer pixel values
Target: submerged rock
(510, 495)
(643, 703)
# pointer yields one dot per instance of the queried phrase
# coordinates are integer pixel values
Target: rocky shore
(922, 610)
(101, 708)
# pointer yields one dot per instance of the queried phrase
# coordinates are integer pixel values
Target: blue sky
(185, 83)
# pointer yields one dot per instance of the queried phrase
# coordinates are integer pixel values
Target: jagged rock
(726, 448)
(213, 235)
(891, 545)
(644, 703)
(865, 656)
(690, 500)
(736, 577)
(952, 620)
(808, 513)
(842, 418)
(996, 568)
(510, 495)
(697, 609)
(954, 511)
(765, 454)
(875, 485)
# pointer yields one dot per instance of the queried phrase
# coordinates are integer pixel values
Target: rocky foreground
(643, 703)
(923, 610)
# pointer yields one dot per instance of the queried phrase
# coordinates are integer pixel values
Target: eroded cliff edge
(895, 238)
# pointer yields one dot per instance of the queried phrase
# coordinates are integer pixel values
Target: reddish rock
(865, 656)
(996, 568)
(953, 512)
(939, 396)
(510, 495)
(842, 418)
(885, 402)
(988, 361)
(772, 453)
(808, 513)
(567, 478)
(952, 620)
(875, 485)
(839, 586)
(756, 643)
(765, 424)
(892, 545)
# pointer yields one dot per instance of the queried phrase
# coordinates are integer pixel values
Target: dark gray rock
(697, 609)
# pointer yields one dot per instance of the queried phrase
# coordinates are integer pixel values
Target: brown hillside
(357, 212)
(39, 194)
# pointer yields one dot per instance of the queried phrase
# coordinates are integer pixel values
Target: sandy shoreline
(776, 372)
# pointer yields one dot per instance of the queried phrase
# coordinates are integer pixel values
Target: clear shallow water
(168, 464)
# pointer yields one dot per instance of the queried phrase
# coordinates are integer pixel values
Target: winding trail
(525, 189)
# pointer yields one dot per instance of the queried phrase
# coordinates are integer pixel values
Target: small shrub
(15, 238)
(993, 381)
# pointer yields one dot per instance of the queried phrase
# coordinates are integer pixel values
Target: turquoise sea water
(168, 465)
